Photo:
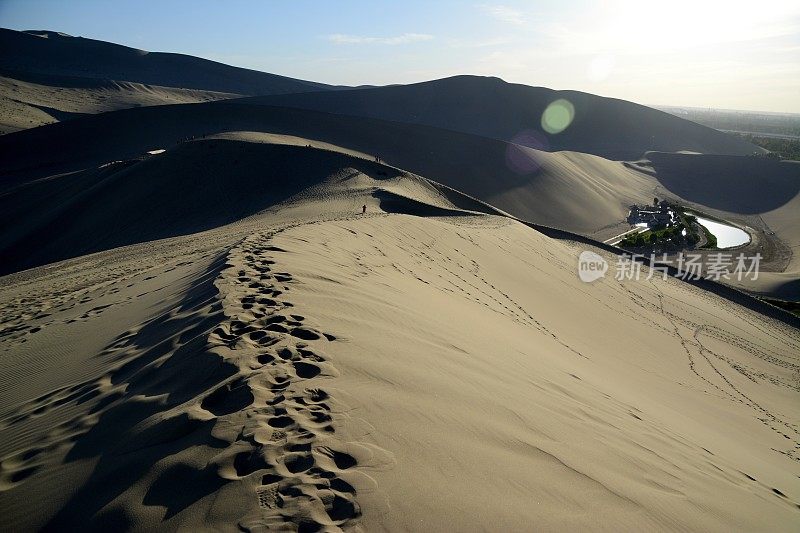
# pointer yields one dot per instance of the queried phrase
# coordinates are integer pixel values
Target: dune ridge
(580, 193)
(218, 181)
(490, 107)
(244, 393)
(58, 54)
(47, 77)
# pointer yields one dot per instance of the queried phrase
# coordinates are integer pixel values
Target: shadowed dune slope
(732, 184)
(490, 107)
(47, 52)
(194, 187)
(579, 192)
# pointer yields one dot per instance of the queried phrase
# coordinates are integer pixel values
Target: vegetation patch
(781, 148)
(683, 234)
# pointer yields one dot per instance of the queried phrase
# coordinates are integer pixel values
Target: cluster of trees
(781, 148)
(670, 237)
(690, 223)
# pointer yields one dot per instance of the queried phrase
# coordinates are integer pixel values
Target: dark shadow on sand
(134, 431)
(737, 184)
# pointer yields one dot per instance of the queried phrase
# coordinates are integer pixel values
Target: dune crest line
(300, 472)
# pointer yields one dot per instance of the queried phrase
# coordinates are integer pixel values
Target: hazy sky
(704, 53)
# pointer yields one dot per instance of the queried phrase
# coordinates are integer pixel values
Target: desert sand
(429, 365)
(578, 192)
(52, 76)
(236, 301)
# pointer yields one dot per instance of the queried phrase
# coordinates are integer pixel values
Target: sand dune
(577, 192)
(201, 330)
(490, 107)
(193, 187)
(58, 54)
(459, 160)
(310, 367)
(49, 76)
(556, 183)
(528, 367)
(28, 101)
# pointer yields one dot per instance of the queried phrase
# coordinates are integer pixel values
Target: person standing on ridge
(363, 209)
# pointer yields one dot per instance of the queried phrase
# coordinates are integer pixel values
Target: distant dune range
(491, 107)
(53, 53)
(47, 77)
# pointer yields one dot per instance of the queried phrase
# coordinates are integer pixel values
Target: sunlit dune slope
(313, 367)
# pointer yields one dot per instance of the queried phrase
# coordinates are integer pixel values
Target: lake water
(727, 236)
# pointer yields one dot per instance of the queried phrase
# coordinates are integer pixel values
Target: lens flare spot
(558, 116)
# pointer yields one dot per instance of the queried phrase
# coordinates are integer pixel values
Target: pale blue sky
(706, 53)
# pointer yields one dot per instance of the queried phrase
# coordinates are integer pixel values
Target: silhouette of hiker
(363, 209)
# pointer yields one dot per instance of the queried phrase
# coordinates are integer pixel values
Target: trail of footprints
(301, 474)
(288, 450)
(723, 384)
(479, 286)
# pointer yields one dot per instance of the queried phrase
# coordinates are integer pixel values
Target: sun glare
(647, 27)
